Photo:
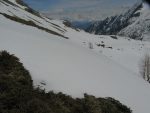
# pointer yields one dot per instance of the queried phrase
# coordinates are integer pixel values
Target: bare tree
(145, 68)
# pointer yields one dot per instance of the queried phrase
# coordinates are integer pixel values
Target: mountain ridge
(123, 24)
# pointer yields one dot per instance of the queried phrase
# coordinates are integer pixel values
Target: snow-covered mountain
(134, 23)
(140, 27)
(60, 56)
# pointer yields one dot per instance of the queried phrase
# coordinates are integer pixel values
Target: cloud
(90, 3)
(82, 8)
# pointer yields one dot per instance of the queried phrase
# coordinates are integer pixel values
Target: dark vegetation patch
(17, 94)
(34, 19)
(58, 29)
(7, 1)
(21, 3)
(103, 46)
(28, 9)
(4, 3)
(67, 23)
(113, 36)
(56, 26)
(31, 23)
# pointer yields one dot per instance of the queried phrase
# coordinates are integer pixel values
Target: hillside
(25, 15)
(67, 65)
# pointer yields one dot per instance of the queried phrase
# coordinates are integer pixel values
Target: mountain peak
(120, 24)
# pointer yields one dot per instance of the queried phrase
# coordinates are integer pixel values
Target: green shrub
(36, 105)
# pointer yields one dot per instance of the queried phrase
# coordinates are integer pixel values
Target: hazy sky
(81, 9)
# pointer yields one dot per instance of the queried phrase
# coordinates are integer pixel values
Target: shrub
(10, 65)
(36, 105)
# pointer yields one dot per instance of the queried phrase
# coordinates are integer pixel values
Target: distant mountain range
(135, 23)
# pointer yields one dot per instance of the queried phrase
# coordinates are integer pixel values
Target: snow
(125, 51)
(140, 27)
(71, 67)
(14, 2)
(146, 6)
(43, 22)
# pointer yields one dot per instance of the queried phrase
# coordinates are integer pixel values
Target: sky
(80, 9)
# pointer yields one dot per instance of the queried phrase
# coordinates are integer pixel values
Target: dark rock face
(147, 1)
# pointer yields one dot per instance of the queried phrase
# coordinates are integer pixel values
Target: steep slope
(67, 66)
(25, 15)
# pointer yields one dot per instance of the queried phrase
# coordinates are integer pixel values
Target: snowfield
(71, 67)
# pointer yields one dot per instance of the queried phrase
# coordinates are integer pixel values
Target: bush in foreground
(17, 94)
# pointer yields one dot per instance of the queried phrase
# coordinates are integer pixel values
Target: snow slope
(15, 10)
(68, 66)
(125, 51)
